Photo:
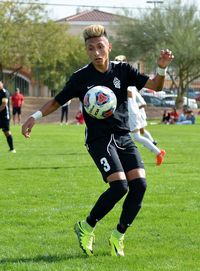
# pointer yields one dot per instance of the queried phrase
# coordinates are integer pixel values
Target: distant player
(108, 140)
(137, 120)
(65, 112)
(142, 105)
(5, 116)
(17, 101)
(138, 123)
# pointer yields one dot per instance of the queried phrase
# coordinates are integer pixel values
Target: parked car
(193, 94)
(154, 101)
(170, 100)
(197, 97)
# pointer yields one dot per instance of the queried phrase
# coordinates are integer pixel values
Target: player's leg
(148, 135)
(143, 131)
(105, 156)
(135, 174)
(62, 115)
(131, 207)
(105, 203)
(145, 141)
(107, 160)
(8, 135)
(66, 114)
(14, 115)
(149, 145)
(19, 115)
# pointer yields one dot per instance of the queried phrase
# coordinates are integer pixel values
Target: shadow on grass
(72, 153)
(62, 154)
(41, 258)
(48, 258)
(40, 168)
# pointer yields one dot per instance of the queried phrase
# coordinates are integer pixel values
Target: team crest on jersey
(116, 82)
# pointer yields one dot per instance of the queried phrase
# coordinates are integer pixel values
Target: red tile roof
(91, 15)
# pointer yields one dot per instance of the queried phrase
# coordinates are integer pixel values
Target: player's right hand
(27, 126)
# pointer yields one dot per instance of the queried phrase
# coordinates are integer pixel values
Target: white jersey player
(142, 105)
(137, 123)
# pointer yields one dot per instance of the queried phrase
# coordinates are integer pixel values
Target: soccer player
(142, 105)
(64, 112)
(137, 123)
(108, 141)
(17, 102)
(5, 116)
(137, 120)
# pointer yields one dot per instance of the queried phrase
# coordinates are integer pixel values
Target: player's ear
(110, 47)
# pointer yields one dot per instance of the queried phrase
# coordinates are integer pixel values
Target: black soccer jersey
(118, 77)
(5, 113)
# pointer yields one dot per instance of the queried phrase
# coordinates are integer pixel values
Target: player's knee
(119, 188)
(141, 184)
(137, 188)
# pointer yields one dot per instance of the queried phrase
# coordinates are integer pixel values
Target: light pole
(155, 2)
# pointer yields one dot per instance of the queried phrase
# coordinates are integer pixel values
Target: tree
(58, 56)
(28, 38)
(176, 27)
(14, 24)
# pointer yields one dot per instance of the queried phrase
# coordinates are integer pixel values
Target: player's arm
(3, 104)
(163, 61)
(45, 110)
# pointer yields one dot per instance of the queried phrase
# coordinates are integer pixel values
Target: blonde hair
(93, 31)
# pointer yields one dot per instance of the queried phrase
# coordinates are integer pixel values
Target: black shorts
(16, 110)
(5, 125)
(116, 153)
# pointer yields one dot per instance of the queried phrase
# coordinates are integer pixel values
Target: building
(80, 20)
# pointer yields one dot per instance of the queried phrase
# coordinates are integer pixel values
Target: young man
(137, 120)
(108, 141)
(142, 105)
(5, 116)
(136, 123)
(17, 102)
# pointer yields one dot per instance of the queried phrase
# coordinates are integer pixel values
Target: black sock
(107, 201)
(10, 142)
(132, 203)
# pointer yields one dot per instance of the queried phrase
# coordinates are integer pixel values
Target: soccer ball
(100, 102)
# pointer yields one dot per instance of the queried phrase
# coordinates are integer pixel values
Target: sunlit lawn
(51, 182)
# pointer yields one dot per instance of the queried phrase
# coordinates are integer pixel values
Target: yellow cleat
(85, 238)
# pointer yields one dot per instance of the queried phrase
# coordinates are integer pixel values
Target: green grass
(51, 182)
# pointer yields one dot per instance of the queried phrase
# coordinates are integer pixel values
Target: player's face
(98, 50)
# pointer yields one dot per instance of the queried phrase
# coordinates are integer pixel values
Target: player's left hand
(165, 58)
(27, 126)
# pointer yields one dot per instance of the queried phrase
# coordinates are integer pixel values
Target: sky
(58, 10)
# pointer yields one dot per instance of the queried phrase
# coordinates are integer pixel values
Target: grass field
(51, 182)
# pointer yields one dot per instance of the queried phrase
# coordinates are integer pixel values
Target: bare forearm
(156, 83)
(49, 107)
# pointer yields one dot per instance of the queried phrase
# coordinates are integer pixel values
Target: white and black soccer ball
(100, 102)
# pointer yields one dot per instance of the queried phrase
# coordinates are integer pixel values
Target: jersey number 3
(104, 162)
